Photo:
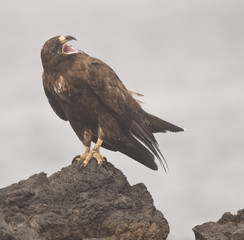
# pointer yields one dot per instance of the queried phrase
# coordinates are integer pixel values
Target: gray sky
(186, 57)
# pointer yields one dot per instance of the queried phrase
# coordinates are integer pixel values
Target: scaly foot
(86, 157)
(81, 157)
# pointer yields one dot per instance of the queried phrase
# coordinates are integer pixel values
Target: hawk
(86, 92)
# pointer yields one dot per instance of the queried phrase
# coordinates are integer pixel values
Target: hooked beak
(69, 38)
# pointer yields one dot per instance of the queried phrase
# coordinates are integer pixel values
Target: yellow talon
(86, 157)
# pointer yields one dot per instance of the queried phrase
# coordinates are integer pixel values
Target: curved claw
(82, 165)
(76, 159)
(104, 160)
(86, 157)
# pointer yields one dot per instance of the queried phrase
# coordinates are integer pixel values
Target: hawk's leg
(86, 138)
(94, 153)
(83, 156)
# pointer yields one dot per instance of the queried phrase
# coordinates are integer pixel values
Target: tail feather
(144, 134)
(159, 125)
(134, 149)
(140, 144)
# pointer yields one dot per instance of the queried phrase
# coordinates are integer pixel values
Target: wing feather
(107, 85)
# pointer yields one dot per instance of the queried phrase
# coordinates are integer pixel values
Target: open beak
(67, 49)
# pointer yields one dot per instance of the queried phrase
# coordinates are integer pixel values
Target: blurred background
(186, 57)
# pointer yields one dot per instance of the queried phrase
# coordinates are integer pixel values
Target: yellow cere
(62, 39)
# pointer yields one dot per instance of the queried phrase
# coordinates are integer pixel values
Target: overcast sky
(186, 57)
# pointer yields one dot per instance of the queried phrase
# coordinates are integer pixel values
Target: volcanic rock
(79, 203)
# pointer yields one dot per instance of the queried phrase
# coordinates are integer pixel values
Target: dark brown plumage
(86, 92)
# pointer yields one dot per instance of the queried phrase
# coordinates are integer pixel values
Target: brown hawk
(87, 92)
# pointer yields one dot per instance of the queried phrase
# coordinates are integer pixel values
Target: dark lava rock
(229, 227)
(73, 204)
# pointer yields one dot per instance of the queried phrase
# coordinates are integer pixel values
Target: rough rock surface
(74, 204)
(229, 227)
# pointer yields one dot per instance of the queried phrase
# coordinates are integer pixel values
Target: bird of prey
(86, 92)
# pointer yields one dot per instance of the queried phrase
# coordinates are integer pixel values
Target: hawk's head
(56, 50)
